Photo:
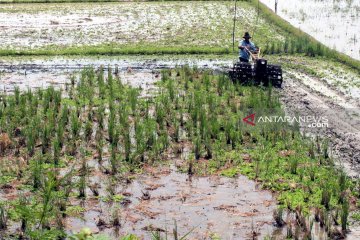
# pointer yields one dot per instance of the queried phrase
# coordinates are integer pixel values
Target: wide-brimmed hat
(247, 35)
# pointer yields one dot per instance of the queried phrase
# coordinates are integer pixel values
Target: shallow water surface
(231, 208)
(334, 23)
(40, 73)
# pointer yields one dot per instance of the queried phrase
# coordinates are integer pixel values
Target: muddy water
(334, 23)
(38, 73)
(215, 206)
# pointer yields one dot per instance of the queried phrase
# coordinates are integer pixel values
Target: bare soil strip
(343, 114)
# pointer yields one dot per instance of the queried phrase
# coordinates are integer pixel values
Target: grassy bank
(112, 49)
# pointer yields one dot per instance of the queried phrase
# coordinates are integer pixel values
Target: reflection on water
(335, 23)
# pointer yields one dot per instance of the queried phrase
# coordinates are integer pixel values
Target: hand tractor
(256, 72)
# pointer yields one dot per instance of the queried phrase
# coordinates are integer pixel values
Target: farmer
(245, 46)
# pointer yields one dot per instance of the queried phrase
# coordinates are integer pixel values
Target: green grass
(113, 49)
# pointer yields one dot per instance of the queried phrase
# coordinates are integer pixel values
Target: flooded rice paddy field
(29, 26)
(211, 205)
(206, 206)
(333, 79)
(40, 72)
(160, 196)
(334, 23)
(335, 85)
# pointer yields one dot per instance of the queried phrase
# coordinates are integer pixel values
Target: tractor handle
(253, 55)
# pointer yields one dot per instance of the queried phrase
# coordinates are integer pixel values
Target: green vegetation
(115, 49)
(48, 138)
(51, 133)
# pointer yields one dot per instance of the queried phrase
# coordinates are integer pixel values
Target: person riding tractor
(245, 47)
(256, 72)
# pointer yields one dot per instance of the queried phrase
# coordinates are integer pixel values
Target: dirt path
(307, 95)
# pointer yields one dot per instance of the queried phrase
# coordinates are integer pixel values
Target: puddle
(334, 23)
(230, 208)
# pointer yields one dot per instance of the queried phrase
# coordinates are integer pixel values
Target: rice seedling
(100, 117)
(133, 96)
(289, 231)
(94, 188)
(278, 217)
(127, 144)
(82, 186)
(111, 126)
(294, 165)
(3, 217)
(88, 130)
(45, 139)
(197, 147)
(176, 135)
(344, 215)
(342, 181)
(110, 188)
(208, 147)
(24, 212)
(47, 195)
(192, 108)
(326, 196)
(75, 125)
(57, 149)
(36, 163)
(116, 217)
(165, 74)
(113, 160)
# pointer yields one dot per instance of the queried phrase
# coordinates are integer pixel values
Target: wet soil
(155, 200)
(306, 95)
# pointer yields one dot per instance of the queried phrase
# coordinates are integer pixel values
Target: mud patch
(303, 98)
(231, 208)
